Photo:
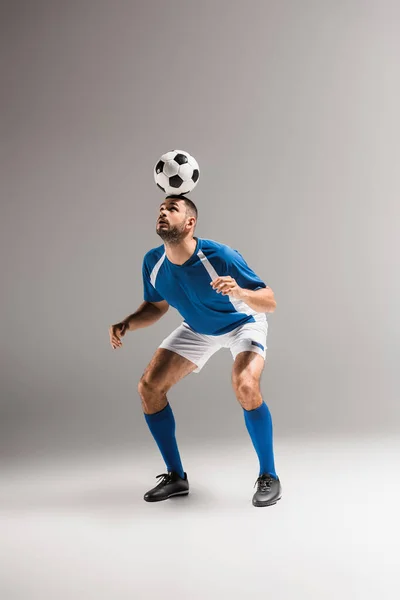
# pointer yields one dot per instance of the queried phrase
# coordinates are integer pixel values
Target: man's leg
(246, 375)
(164, 370)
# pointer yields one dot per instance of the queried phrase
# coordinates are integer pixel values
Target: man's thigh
(196, 347)
(166, 368)
(247, 368)
(250, 337)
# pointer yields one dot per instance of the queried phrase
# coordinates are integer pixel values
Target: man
(224, 305)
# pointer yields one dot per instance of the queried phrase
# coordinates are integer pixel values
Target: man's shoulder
(214, 248)
(153, 255)
(208, 245)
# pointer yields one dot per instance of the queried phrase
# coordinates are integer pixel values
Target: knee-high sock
(162, 427)
(259, 426)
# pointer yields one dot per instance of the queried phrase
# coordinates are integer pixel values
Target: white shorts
(198, 347)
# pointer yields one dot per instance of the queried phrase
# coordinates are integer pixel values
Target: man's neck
(180, 253)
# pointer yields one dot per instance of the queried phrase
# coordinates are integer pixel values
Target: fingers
(115, 340)
(223, 284)
(224, 288)
(116, 343)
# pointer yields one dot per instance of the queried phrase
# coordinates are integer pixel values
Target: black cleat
(171, 484)
(269, 490)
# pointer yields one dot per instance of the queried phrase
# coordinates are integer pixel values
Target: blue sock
(259, 426)
(162, 427)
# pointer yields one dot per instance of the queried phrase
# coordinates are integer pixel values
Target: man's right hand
(116, 332)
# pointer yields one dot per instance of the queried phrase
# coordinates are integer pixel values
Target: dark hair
(191, 208)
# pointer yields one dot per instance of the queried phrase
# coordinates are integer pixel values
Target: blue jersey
(187, 287)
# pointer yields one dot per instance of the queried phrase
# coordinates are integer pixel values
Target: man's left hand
(227, 286)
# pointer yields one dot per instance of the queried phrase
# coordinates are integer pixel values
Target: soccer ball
(177, 172)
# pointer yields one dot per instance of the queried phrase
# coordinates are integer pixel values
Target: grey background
(291, 110)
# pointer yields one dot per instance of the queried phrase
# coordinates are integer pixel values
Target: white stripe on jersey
(155, 270)
(239, 305)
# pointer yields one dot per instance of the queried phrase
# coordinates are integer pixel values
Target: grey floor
(79, 529)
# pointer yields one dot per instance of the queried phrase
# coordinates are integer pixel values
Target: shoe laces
(264, 482)
(164, 478)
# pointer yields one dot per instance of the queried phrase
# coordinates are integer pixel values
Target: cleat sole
(265, 503)
(184, 493)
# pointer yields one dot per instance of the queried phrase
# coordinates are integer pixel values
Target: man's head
(177, 219)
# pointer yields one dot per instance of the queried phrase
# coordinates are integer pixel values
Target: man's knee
(152, 394)
(247, 390)
(245, 383)
(149, 386)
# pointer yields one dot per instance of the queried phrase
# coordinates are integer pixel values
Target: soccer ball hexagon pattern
(177, 172)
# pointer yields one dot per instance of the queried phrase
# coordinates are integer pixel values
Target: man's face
(171, 221)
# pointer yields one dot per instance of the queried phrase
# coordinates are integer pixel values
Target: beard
(171, 234)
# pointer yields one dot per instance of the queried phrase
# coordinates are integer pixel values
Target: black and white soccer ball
(177, 172)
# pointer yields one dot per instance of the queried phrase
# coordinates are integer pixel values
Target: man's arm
(147, 314)
(262, 300)
(242, 283)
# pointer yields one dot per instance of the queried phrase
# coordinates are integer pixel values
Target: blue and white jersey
(187, 287)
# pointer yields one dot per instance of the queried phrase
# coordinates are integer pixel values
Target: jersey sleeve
(150, 293)
(238, 268)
